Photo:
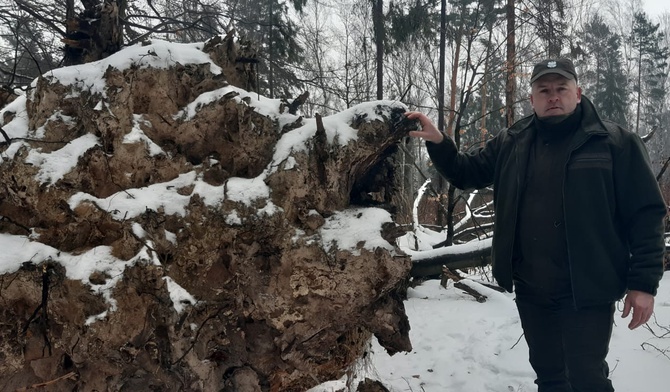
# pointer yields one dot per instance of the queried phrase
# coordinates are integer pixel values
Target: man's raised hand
(429, 131)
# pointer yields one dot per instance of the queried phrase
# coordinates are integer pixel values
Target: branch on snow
(431, 266)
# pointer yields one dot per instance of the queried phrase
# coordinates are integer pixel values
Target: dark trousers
(567, 346)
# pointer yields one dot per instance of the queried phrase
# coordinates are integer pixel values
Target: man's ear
(579, 94)
(531, 101)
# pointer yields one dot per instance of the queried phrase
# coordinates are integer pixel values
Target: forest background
(466, 63)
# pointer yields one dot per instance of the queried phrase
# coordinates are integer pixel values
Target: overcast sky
(656, 7)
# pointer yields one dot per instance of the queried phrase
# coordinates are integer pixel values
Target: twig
(197, 334)
(9, 141)
(614, 368)
(517, 342)
(663, 352)
(478, 296)
(449, 274)
(458, 283)
(44, 317)
(492, 287)
(666, 329)
(6, 219)
(453, 275)
(71, 375)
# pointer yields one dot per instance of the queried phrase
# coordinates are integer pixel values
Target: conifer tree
(266, 22)
(551, 26)
(602, 70)
(652, 70)
(26, 50)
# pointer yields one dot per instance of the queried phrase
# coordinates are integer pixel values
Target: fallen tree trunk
(432, 262)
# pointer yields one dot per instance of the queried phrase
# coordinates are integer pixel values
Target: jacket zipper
(565, 216)
(516, 206)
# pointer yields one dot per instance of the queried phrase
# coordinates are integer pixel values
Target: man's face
(554, 95)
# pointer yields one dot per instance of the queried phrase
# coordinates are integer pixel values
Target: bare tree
(26, 49)
(378, 21)
(58, 32)
(510, 90)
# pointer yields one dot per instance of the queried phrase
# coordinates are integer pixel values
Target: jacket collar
(591, 121)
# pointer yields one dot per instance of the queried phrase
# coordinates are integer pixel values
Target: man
(578, 225)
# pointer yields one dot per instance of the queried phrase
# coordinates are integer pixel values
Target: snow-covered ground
(461, 345)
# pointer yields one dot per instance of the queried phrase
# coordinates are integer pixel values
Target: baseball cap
(563, 67)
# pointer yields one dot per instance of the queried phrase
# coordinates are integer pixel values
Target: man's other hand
(642, 305)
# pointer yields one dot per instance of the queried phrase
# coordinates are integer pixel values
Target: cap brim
(565, 74)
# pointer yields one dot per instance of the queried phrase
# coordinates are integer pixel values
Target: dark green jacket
(612, 204)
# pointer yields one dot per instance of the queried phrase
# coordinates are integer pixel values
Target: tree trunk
(441, 82)
(484, 91)
(454, 81)
(510, 89)
(378, 22)
(271, 68)
(432, 266)
(95, 33)
(639, 89)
